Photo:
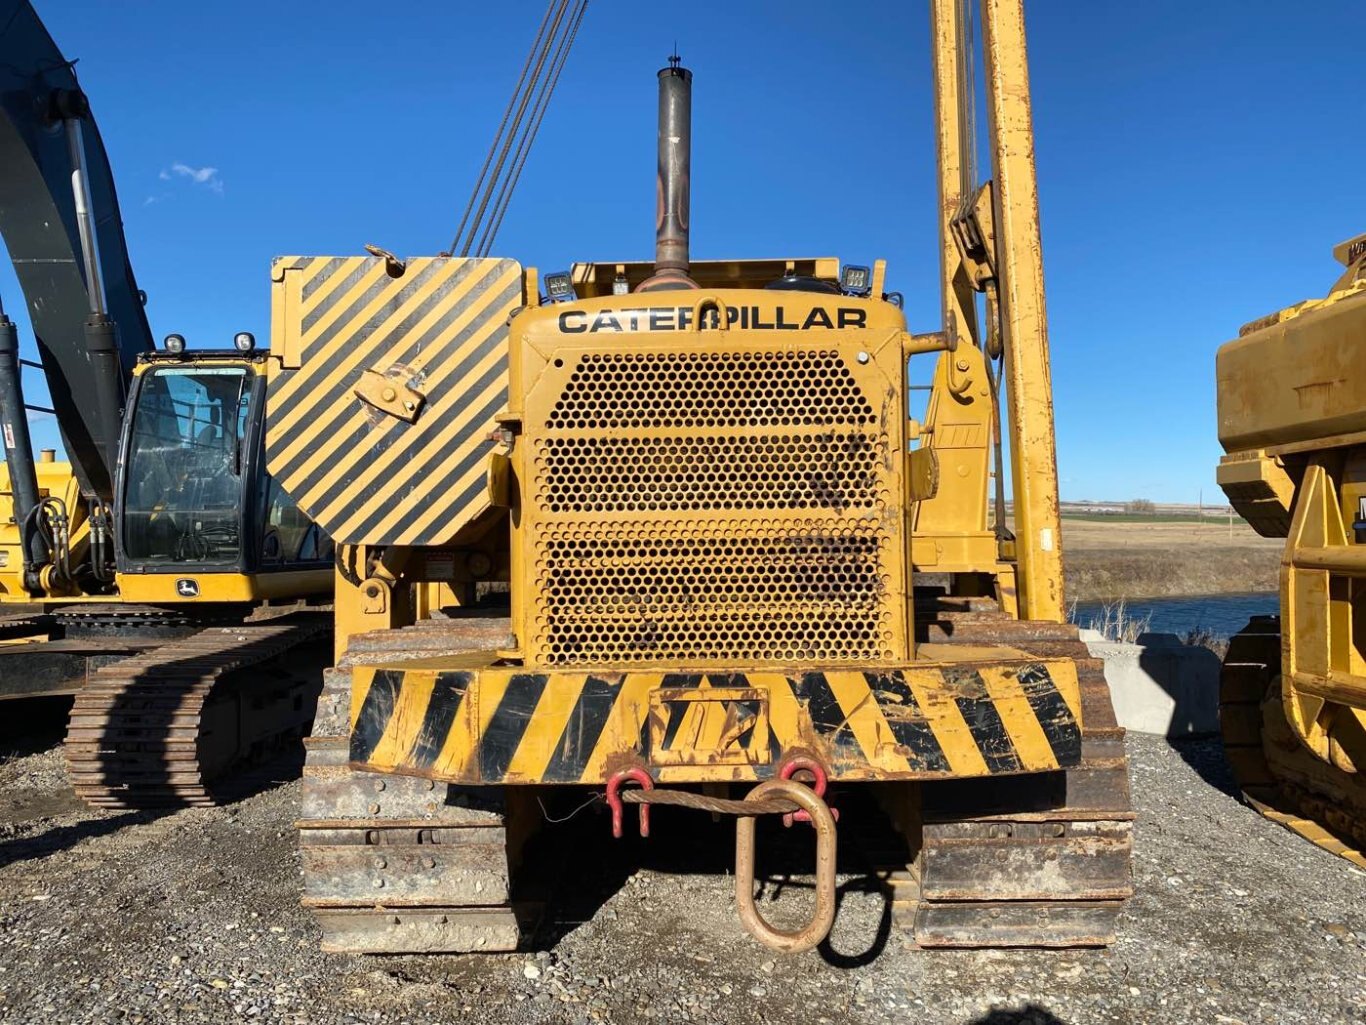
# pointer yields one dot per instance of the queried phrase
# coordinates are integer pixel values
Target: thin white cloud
(206, 176)
(165, 176)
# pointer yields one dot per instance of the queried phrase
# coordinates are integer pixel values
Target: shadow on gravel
(1030, 1014)
(1206, 756)
(32, 725)
(581, 866)
(60, 838)
(871, 883)
(18, 808)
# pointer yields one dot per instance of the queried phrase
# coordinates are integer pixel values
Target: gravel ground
(194, 917)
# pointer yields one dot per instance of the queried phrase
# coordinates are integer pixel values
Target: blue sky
(1197, 162)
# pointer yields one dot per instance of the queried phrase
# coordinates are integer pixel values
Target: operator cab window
(183, 502)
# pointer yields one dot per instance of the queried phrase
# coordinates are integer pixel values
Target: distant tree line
(1140, 506)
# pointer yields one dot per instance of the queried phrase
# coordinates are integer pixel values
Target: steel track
(1278, 776)
(172, 726)
(394, 864)
(1034, 860)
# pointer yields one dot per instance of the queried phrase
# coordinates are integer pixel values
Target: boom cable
(529, 138)
(499, 175)
(483, 171)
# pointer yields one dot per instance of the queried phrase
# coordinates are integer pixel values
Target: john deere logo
(187, 588)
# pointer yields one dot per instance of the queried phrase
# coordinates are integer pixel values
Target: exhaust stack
(675, 173)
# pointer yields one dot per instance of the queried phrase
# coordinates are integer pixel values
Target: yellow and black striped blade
(514, 726)
(365, 476)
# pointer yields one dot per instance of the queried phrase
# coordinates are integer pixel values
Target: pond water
(1221, 614)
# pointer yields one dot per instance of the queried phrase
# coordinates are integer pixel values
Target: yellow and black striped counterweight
(392, 375)
(931, 720)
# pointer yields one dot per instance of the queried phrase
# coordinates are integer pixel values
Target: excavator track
(1041, 860)
(395, 864)
(21, 626)
(1277, 775)
(176, 725)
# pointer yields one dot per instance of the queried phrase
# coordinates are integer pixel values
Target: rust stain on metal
(965, 683)
(1316, 391)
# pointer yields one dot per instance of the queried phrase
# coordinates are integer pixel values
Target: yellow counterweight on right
(1292, 420)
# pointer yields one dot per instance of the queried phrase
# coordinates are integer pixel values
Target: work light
(559, 287)
(856, 280)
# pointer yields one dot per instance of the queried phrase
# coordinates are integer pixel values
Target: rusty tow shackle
(811, 934)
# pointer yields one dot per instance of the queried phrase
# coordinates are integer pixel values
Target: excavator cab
(194, 492)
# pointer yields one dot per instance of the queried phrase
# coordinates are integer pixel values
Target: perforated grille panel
(709, 589)
(722, 507)
(773, 471)
(704, 389)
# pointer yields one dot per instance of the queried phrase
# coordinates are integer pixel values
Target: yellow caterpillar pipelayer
(666, 525)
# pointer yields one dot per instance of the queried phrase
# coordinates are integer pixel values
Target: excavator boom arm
(46, 136)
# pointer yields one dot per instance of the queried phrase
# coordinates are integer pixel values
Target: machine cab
(192, 480)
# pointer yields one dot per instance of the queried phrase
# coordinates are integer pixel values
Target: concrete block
(1161, 685)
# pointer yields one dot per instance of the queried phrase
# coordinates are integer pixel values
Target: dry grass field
(1105, 560)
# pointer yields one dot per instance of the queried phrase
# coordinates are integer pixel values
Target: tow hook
(818, 928)
(785, 797)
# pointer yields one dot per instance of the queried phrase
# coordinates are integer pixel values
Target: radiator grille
(702, 389)
(702, 590)
(692, 507)
(763, 471)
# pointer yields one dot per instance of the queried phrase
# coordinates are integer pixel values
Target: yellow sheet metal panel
(57, 480)
(1295, 380)
(920, 721)
(165, 588)
(731, 494)
(950, 531)
(371, 467)
(596, 279)
(1259, 488)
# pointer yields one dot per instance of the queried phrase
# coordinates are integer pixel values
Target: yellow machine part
(1291, 394)
(634, 568)
(55, 480)
(984, 712)
(804, 426)
(165, 588)
(950, 532)
(392, 376)
(1323, 596)
(1294, 382)
(1259, 489)
(709, 560)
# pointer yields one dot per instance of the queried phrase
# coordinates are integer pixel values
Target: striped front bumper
(922, 721)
